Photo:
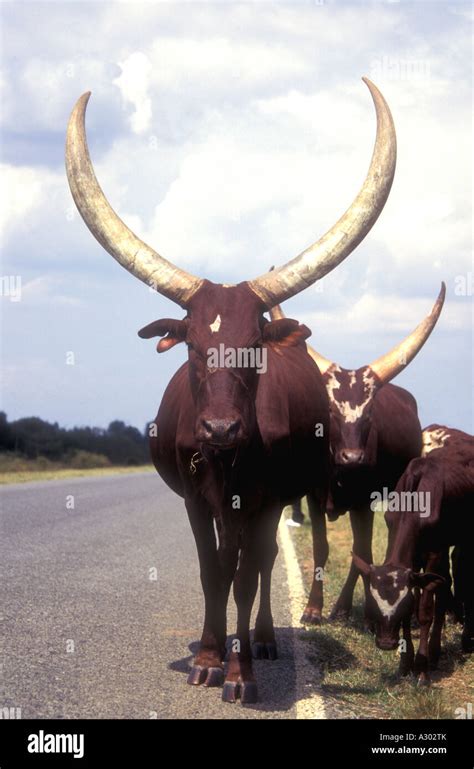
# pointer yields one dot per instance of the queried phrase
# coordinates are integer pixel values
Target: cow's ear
(364, 568)
(174, 331)
(427, 580)
(285, 332)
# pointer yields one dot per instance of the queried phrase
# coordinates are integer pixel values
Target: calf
(445, 477)
(374, 433)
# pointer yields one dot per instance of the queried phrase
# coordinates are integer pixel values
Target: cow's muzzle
(387, 644)
(350, 457)
(221, 433)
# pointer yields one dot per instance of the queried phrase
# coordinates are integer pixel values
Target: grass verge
(54, 474)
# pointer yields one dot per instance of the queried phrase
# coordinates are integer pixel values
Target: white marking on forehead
(215, 325)
(394, 576)
(350, 413)
(434, 439)
(387, 609)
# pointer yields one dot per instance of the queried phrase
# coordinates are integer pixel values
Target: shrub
(83, 460)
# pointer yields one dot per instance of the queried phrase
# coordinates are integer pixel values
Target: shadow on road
(279, 686)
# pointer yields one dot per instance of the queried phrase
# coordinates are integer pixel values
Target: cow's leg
(467, 637)
(255, 556)
(463, 557)
(297, 515)
(207, 666)
(362, 524)
(434, 645)
(407, 654)
(417, 566)
(454, 610)
(426, 612)
(313, 611)
(264, 644)
(425, 619)
(440, 606)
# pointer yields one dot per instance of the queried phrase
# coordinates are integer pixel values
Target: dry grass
(54, 474)
(359, 680)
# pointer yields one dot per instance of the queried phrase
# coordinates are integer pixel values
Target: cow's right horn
(388, 366)
(107, 227)
(344, 236)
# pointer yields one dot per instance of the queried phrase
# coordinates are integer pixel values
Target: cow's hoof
(340, 615)
(311, 616)
(264, 651)
(246, 691)
(215, 677)
(206, 676)
(423, 680)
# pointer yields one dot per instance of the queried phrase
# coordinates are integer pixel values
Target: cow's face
(227, 337)
(389, 598)
(225, 345)
(351, 395)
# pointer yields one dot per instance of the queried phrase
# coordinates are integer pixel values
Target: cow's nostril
(352, 456)
(207, 426)
(233, 428)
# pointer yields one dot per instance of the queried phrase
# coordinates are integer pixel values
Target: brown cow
(431, 511)
(236, 444)
(374, 433)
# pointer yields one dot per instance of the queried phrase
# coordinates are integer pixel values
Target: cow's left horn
(107, 227)
(338, 242)
(388, 366)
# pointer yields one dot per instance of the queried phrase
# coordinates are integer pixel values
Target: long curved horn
(338, 242)
(388, 366)
(107, 227)
(276, 313)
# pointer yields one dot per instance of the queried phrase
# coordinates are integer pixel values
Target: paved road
(87, 634)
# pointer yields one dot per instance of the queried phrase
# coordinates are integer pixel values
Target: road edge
(309, 704)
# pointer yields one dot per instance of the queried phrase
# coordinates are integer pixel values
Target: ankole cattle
(236, 444)
(441, 489)
(374, 433)
(436, 436)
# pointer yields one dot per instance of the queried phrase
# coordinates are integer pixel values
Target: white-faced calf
(446, 478)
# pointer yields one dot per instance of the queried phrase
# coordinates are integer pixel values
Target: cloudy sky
(230, 136)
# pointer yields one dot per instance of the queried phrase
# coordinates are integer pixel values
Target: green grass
(54, 474)
(359, 680)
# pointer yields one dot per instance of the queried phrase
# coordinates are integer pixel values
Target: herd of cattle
(239, 443)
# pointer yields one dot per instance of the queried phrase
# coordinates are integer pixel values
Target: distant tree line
(32, 437)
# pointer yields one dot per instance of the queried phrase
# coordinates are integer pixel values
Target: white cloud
(389, 314)
(24, 190)
(133, 83)
(182, 61)
(47, 289)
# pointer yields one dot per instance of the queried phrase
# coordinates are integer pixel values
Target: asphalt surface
(102, 607)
